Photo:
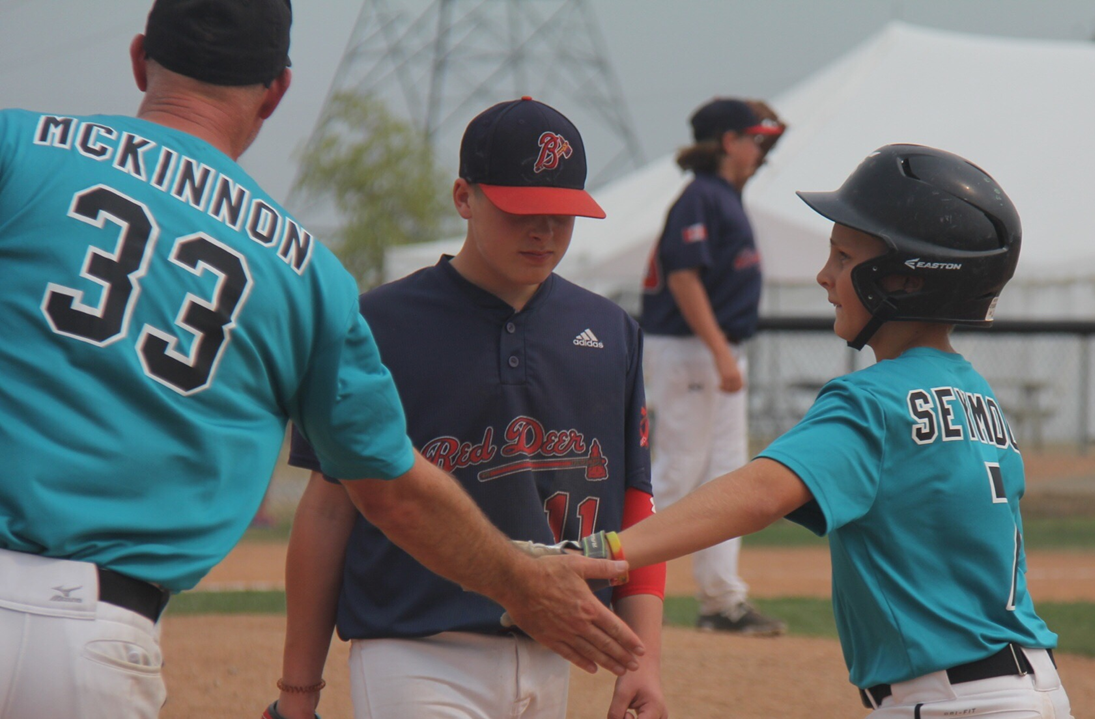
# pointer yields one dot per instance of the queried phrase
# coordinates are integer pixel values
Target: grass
(785, 533)
(1057, 533)
(806, 616)
(277, 533)
(1072, 623)
(1070, 533)
(244, 602)
(1073, 533)
(809, 616)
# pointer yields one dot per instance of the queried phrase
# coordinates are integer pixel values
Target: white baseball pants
(932, 696)
(63, 653)
(457, 675)
(698, 433)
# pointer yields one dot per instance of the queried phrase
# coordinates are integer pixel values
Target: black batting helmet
(943, 219)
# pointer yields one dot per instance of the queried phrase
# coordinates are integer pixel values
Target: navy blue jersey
(706, 229)
(540, 414)
(162, 320)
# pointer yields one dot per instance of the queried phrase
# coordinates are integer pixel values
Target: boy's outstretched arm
(738, 503)
(429, 515)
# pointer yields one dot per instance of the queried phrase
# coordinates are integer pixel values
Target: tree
(380, 176)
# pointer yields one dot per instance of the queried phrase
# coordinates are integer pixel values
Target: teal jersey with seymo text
(916, 479)
(162, 320)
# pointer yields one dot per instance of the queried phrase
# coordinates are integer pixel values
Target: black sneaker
(748, 622)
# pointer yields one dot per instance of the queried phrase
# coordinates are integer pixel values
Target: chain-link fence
(1040, 371)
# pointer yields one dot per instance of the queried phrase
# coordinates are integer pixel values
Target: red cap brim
(543, 201)
(763, 129)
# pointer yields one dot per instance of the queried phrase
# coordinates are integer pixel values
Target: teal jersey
(916, 478)
(162, 318)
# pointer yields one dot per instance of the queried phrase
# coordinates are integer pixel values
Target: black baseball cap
(221, 42)
(528, 159)
(725, 114)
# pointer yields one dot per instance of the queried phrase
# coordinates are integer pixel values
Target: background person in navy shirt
(700, 302)
(527, 389)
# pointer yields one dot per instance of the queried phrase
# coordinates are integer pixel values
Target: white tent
(1023, 110)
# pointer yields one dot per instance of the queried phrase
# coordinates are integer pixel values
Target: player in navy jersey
(909, 466)
(700, 301)
(163, 318)
(526, 388)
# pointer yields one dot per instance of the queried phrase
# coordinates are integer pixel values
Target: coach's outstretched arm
(428, 514)
(733, 505)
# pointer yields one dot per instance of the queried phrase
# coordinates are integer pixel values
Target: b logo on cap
(553, 148)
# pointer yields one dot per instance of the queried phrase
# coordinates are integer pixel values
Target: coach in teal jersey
(163, 318)
(909, 466)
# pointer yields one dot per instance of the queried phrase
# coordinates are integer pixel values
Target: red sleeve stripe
(639, 505)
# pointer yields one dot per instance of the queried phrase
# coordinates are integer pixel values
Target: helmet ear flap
(867, 281)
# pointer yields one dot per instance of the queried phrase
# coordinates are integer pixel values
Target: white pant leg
(65, 654)
(1034, 696)
(457, 675)
(716, 568)
(699, 433)
(678, 373)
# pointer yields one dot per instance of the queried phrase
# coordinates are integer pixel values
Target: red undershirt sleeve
(639, 505)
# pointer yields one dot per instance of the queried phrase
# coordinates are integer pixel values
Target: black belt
(146, 599)
(1007, 662)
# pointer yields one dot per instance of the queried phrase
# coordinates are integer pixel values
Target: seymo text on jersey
(934, 414)
(184, 178)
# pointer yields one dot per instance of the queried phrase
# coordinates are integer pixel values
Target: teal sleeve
(350, 410)
(836, 450)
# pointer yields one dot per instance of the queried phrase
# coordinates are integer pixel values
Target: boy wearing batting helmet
(909, 466)
(528, 389)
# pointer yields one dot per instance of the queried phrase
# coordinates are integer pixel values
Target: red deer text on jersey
(525, 435)
(449, 453)
(553, 148)
(533, 447)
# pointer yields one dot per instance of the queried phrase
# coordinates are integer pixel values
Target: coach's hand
(553, 604)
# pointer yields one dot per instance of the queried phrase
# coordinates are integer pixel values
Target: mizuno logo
(64, 595)
(916, 264)
(588, 339)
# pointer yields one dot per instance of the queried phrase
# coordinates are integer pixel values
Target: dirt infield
(222, 667)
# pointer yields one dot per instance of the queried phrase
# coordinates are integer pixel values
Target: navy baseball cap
(528, 159)
(723, 115)
(221, 42)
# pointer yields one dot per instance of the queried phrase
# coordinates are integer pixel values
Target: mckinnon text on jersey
(185, 179)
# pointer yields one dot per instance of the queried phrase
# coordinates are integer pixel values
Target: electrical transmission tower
(438, 63)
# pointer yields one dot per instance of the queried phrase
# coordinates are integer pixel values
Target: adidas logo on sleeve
(588, 339)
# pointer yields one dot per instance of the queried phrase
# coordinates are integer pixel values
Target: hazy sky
(668, 55)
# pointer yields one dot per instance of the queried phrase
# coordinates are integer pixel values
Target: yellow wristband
(617, 549)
